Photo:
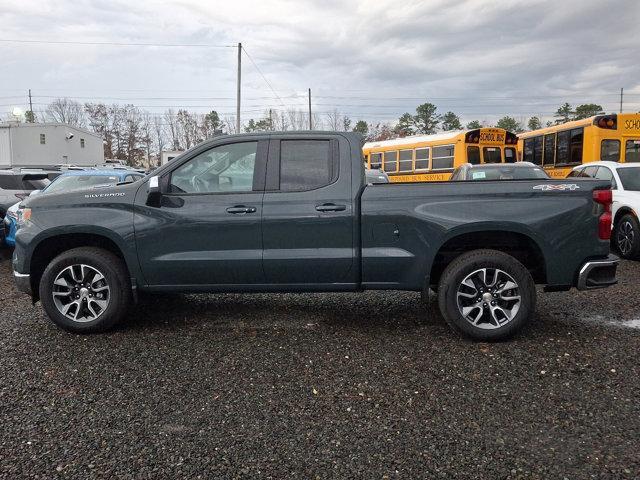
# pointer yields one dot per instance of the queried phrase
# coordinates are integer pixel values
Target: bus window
(509, 155)
(406, 161)
(422, 159)
(442, 157)
(549, 149)
(491, 155)
(577, 135)
(632, 151)
(473, 155)
(376, 160)
(528, 150)
(390, 162)
(610, 150)
(537, 150)
(562, 148)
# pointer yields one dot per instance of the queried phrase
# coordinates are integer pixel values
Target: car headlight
(24, 216)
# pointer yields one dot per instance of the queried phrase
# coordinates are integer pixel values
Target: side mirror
(154, 194)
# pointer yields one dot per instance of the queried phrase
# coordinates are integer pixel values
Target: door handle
(330, 207)
(241, 209)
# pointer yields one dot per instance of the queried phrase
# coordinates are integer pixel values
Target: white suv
(625, 181)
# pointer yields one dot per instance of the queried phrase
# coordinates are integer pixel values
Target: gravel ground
(322, 386)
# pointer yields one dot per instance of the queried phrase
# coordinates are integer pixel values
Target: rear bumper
(23, 282)
(598, 273)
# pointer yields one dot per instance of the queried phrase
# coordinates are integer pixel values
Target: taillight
(604, 198)
(609, 122)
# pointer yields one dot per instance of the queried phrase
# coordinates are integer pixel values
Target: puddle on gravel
(599, 319)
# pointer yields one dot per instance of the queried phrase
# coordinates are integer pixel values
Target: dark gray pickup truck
(292, 212)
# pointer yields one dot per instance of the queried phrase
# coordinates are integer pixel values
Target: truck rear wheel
(486, 295)
(85, 290)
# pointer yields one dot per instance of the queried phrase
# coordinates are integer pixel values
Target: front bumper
(598, 273)
(23, 282)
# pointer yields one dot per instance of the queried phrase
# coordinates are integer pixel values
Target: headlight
(24, 215)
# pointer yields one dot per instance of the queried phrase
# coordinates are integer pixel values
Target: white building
(168, 155)
(48, 144)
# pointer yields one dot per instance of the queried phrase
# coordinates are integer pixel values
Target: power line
(115, 44)
(262, 75)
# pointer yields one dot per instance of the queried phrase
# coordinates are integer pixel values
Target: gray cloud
(481, 59)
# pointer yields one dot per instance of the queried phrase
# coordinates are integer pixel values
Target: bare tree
(334, 120)
(172, 128)
(65, 110)
(159, 135)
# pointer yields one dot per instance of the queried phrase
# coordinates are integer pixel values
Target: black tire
(115, 275)
(626, 237)
(489, 328)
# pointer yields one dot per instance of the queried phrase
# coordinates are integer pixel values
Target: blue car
(71, 180)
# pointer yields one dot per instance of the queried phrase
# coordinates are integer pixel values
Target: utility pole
(310, 120)
(31, 114)
(271, 119)
(238, 90)
(621, 93)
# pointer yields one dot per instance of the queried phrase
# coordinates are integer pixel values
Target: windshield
(79, 182)
(630, 178)
(23, 182)
(506, 173)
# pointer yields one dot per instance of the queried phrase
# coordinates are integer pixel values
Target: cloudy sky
(370, 59)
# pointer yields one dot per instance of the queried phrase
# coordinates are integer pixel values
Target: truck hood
(112, 194)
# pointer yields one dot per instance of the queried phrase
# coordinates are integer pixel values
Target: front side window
(376, 161)
(562, 148)
(227, 168)
(632, 151)
(442, 157)
(473, 155)
(610, 150)
(422, 159)
(390, 161)
(305, 164)
(406, 161)
(549, 149)
(491, 155)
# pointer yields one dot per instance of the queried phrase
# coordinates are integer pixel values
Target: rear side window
(610, 150)
(422, 158)
(562, 148)
(576, 145)
(406, 161)
(604, 173)
(10, 182)
(589, 172)
(549, 149)
(390, 161)
(442, 157)
(376, 161)
(305, 164)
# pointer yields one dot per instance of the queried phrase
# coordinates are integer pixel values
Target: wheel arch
(517, 244)
(621, 212)
(53, 245)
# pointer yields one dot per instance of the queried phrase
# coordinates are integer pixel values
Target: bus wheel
(486, 295)
(627, 237)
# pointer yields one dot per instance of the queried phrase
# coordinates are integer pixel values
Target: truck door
(207, 230)
(308, 212)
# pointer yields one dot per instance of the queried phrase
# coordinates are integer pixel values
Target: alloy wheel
(81, 293)
(488, 298)
(625, 237)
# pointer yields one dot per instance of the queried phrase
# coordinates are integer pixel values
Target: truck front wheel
(85, 290)
(486, 295)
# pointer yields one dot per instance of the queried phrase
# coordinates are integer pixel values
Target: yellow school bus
(431, 158)
(558, 149)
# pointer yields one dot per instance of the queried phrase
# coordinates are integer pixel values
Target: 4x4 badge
(561, 186)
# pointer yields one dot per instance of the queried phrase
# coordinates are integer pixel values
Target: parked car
(373, 175)
(498, 171)
(70, 180)
(16, 184)
(308, 221)
(625, 184)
